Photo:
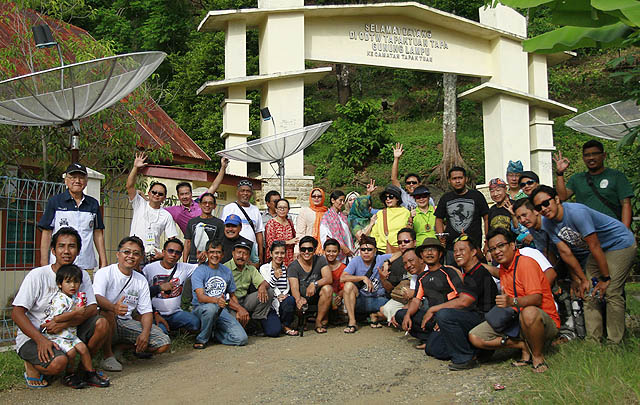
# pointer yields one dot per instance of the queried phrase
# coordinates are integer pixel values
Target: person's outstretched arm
(138, 163)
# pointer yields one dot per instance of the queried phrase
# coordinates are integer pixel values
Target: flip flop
(29, 380)
(350, 329)
(375, 325)
(321, 330)
(541, 368)
(198, 346)
(522, 363)
(291, 332)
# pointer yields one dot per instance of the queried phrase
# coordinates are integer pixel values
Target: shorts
(29, 353)
(485, 332)
(86, 328)
(391, 308)
(128, 330)
(369, 305)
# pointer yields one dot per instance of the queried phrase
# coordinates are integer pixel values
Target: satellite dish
(64, 95)
(276, 148)
(610, 121)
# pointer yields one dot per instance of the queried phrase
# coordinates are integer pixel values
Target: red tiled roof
(154, 125)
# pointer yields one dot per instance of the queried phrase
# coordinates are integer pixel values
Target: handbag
(506, 320)
(398, 291)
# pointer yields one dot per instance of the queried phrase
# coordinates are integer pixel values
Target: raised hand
(397, 151)
(224, 162)
(562, 163)
(139, 161)
(371, 187)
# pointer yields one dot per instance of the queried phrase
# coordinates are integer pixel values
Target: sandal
(73, 381)
(522, 363)
(93, 379)
(350, 329)
(421, 346)
(198, 345)
(31, 380)
(375, 325)
(541, 368)
(291, 332)
(321, 329)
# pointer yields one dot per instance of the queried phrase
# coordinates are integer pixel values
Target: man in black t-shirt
(232, 228)
(463, 210)
(455, 318)
(201, 230)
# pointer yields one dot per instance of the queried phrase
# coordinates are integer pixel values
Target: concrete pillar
(235, 108)
(506, 118)
(282, 50)
(94, 184)
(540, 126)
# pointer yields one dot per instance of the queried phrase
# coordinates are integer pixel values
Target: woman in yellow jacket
(390, 220)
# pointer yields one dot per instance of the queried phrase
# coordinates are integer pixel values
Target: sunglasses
(174, 252)
(158, 193)
(307, 249)
(421, 196)
(316, 196)
(410, 182)
(527, 183)
(404, 241)
(366, 249)
(545, 203)
(389, 197)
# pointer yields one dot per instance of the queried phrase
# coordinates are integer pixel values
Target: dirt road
(374, 366)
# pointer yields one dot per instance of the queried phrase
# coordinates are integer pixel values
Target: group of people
(463, 278)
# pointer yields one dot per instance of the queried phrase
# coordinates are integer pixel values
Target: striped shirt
(280, 283)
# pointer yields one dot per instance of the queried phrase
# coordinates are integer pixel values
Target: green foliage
(11, 369)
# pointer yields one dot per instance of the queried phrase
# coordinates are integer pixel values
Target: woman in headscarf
(360, 219)
(390, 220)
(308, 221)
(334, 225)
(348, 201)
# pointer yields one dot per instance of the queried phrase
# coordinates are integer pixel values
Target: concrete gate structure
(513, 91)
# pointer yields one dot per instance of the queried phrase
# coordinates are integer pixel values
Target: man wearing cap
(252, 226)
(257, 304)
(231, 236)
(424, 217)
(190, 208)
(513, 176)
(436, 286)
(149, 220)
(601, 188)
(75, 209)
(528, 182)
(411, 181)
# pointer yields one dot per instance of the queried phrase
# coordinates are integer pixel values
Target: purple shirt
(182, 215)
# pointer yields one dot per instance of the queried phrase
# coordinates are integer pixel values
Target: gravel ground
(372, 366)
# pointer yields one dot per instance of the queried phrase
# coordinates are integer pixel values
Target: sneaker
(111, 364)
(463, 366)
(92, 379)
(73, 381)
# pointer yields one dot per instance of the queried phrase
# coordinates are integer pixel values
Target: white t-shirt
(254, 214)
(36, 292)
(148, 224)
(155, 273)
(109, 282)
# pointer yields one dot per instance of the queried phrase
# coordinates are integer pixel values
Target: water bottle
(578, 317)
(596, 295)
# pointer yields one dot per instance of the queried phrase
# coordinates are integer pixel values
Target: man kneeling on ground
(532, 298)
(455, 318)
(119, 290)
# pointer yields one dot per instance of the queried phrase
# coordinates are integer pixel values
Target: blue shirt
(214, 282)
(579, 221)
(357, 267)
(62, 211)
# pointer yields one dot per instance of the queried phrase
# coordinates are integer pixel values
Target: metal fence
(22, 203)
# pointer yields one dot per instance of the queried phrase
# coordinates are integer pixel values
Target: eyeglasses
(527, 183)
(545, 203)
(389, 197)
(316, 195)
(282, 208)
(207, 203)
(410, 182)
(363, 249)
(404, 241)
(500, 246)
(134, 253)
(307, 249)
(174, 252)
(158, 193)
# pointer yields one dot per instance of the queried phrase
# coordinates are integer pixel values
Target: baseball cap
(76, 168)
(242, 244)
(233, 219)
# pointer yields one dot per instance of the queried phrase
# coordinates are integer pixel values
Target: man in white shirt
(119, 289)
(166, 280)
(149, 220)
(42, 356)
(252, 226)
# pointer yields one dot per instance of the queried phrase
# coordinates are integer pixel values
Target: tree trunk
(450, 152)
(344, 82)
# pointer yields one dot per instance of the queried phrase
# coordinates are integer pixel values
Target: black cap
(242, 244)
(393, 190)
(76, 168)
(420, 190)
(529, 175)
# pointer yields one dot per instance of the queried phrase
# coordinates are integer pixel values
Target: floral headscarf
(359, 216)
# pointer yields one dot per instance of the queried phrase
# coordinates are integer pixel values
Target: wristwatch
(515, 301)
(315, 284)
(604, 279)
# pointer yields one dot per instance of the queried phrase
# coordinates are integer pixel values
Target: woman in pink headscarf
(334, 225)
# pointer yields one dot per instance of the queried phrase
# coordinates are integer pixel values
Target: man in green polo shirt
(257, 303)
(600, 188)
(424, 219)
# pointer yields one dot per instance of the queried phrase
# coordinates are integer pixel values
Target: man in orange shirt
(538, 317)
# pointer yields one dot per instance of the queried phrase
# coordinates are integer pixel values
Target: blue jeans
(181, 320)
(287, 309)
(369, 305)
(224, 326)
(451, 341)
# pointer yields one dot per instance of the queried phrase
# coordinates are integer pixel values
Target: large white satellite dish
(610, 121)
(276, 148)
